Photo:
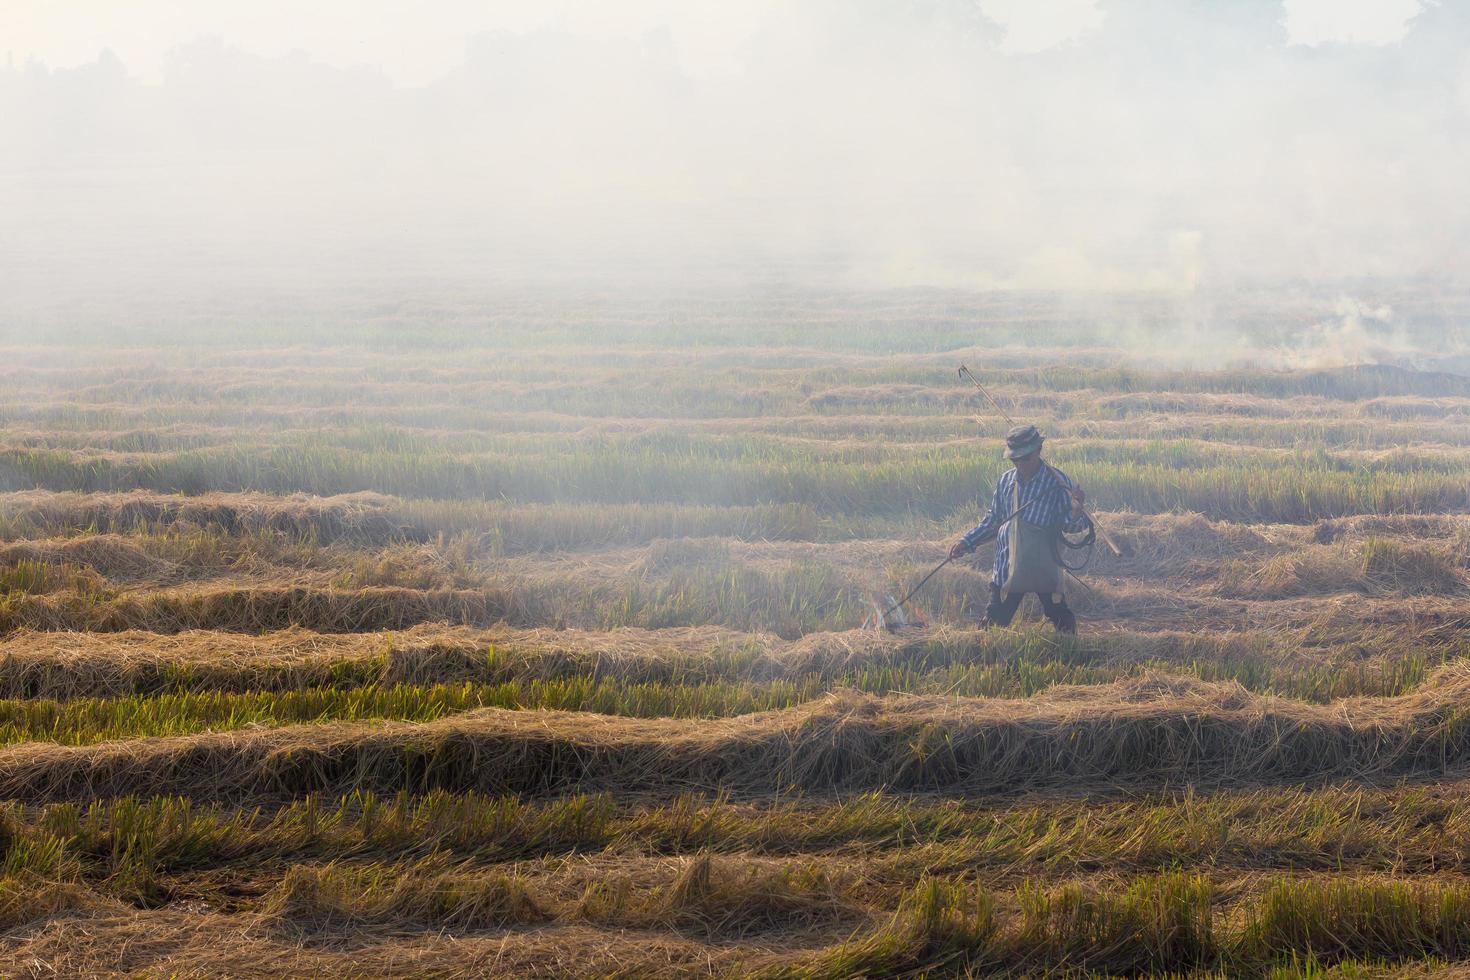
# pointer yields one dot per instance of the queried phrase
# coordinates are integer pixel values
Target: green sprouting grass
(981, 662)
(702, 585)
(1166, 924)
(730, 672)
(30, 576)
(1068, 421)
(1158, 925)
(1147, 925)
(932, 482)
(1344, 919)
(90, 720)
(216, 531)
(1402, 831)
(785, 448)
(87, 720)
(559, 373)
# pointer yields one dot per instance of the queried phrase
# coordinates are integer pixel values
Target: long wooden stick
(915, 590)
(924, 581)
(966, 373)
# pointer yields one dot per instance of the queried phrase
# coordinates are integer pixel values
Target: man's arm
(980, 533)
(1075, 520)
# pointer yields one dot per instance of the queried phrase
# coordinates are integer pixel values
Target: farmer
(1033, 504)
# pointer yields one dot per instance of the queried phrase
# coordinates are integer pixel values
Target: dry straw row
(1143, 732)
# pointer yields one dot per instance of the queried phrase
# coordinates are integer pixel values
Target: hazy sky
(415, 42)
(1093, 144)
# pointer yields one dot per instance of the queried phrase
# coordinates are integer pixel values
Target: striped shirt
(1053, 508)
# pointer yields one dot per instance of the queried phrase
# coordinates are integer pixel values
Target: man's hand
(960, 549)
(1078, 499)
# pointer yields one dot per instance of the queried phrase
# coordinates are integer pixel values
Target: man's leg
(1001, 611)
(1059, 613)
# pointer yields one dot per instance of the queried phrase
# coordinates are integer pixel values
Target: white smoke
(1176, 149)
(1358, 333)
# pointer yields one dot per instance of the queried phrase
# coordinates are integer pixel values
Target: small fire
(888, 615)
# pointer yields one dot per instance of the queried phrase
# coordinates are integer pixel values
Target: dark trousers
(1000, 611)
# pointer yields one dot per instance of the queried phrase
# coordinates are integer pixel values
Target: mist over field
(1183, 151)
(486, 488)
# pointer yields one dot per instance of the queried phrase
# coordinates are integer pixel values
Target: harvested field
(536, 657)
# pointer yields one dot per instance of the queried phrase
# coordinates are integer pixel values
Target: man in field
(1034, 504)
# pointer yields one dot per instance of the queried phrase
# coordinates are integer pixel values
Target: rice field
(534, 650)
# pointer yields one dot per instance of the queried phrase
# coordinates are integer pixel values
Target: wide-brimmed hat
(1023, 440)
